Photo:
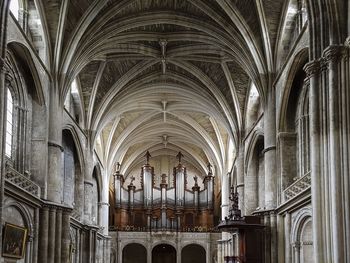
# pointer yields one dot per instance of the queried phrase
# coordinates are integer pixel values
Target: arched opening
(164, 253)
(23, 98)
(307, 252)
(254, 191)
(72, 103)
(303, 242)
(134, 253)
(193, 254)
(254, 107)
(294, 138)
(95, 213)
(73, 191)
(17, 215)
(292, 26)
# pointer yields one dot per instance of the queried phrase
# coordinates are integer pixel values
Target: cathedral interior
(174, 131)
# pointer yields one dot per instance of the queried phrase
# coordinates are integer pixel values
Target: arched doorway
(164, 253)
(193, 254)
(134, 253)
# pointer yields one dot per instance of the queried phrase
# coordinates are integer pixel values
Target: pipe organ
(162, 206)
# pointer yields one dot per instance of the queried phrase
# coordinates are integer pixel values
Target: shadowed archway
(164, 253)
(134, 253)
(193, 254)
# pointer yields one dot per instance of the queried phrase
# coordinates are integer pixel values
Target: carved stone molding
(334, 53)
(313, 68)
(55, 206)
(52, 144)
(87, 182)
(271, 148)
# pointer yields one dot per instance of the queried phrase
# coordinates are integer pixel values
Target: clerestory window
(9, 124)
(14, 8)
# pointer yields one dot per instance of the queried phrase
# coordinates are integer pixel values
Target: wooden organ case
(162, 207)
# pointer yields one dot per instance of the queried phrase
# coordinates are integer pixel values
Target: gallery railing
(298, 187)
(21, 181)
(132, 228)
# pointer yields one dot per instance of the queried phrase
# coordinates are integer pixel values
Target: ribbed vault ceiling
(164, 75)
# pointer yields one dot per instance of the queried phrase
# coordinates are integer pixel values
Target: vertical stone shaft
(44, 234)
(58, 235)
(313, 70)
(54, 182)
(52, 239)
(65, 237)
(333, 57)
(270, 151)
(240, 177)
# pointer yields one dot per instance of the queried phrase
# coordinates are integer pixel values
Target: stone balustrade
(22, 181)
(299, 186)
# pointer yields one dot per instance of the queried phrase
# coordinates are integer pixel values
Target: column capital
(334, 53)
(313, 67)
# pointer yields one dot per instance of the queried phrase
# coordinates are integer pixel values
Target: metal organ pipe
(179, 174)
(118, 181)
(147, 178)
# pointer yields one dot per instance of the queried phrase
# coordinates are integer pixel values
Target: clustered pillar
(329, 125)
(54, 234)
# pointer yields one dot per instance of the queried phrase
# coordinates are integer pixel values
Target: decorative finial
(147, 155)
(209, 168)
(117, 167)
(132, 180)
(179, 156)
(234, 211)
(163, 178)
(195, 178)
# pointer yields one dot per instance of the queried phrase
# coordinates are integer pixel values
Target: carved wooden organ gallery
(172, 206)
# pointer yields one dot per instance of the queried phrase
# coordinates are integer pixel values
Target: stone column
(88, 185)
(240, 177)
(58, 235)
(44, 234)
(251, 187)
(104, 216)
(36, 235)
(104, 204)
(149, 252)
(267, 237)
(88, 189)
(270, 173)
(274, 243)
(336, 93)
(2, 124)
(270, 151)
(287, 233)
(225, 196)
(219, 252)
(54, 182)
(65, 235)
(52, 239)
(313, 70)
